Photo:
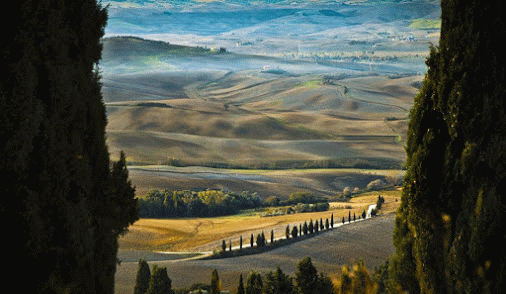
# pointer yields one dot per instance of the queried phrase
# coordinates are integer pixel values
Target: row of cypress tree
(64, 204)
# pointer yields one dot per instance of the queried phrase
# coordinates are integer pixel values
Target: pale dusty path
(370, 240)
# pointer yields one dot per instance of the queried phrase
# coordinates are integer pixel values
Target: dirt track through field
(370, 240)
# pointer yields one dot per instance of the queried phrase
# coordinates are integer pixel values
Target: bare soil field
(327, 183)
(369, 240)
(252, 110)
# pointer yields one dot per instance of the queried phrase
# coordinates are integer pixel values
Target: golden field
(206, 234)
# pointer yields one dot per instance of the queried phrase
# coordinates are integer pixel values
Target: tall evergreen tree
(254, 283)
(277, 282)
(69, 205)
(160, 282)
(240, 287)
(142, 278)
(295, 232)
(449, 234)
(215, 282)
(306, 277)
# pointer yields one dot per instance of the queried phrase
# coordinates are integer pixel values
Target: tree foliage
(448, 233)
(69, 205)
(166, 203)
(278, 282)
(160, 282)
(215, 283)
(142, 278)
(240, 287)
(254, 283)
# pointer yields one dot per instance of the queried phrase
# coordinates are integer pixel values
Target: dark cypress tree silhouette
(142, 278)
(240, 287)
(332, 221)
(215, 283)
(449, 232)
(254, 283)
(160, 282)
(69, 204)
(295, 232)
(277, 282)
(306, 277)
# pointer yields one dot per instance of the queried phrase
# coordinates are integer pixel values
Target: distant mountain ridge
(224, 4)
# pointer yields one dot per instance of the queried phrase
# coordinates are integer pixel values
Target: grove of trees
(166, 203)
(209, 203)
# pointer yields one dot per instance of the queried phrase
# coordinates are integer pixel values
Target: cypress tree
(69, 204)
(332, 221)
(327, 225)
(295, 232)
(240, 243)
(215, 282)
(306, 277)
(142, 278)
(449, 234)
(160, 282)
(278, 282)
(310, 227)
(240, 287)
(251, 241)
(254, 283)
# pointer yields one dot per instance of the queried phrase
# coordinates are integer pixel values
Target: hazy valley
(273, 98)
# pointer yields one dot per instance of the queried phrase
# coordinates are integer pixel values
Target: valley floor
(369, 240)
